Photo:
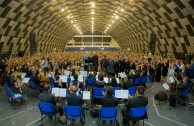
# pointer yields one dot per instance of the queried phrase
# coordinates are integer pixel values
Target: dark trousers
(125, 114)
(85, 67)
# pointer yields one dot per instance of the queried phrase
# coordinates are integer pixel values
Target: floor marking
(32, 122)
(150, 88)
(164, 116)
(17, 114)
(149, 123)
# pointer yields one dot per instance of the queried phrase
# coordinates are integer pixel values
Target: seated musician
(14, 85)
(47, 97)
(36, 78)
(113, 82)
(72, 98)
(178, 89)
(138, 101)
(129, 83)
(108, 100)
(100, 83)
(57, 81)
(76, 82)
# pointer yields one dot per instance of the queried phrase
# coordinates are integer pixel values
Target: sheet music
(84, 73)
(86, 95)
(171, 79)
(62, 92)
(80, 78)
(106, 80)
(55, 91)
(166, 86)
(59, 92)
(25, 80)
(122, 75)
(72, 78)
(23, 75)
(66, 72)
(121, 94)
(63, 78)
(49, 75)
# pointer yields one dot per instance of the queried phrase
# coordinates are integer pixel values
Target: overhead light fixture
(62, 9)
(71, 21)
(92, 18)
(109, 25)
(74, 25)
(68, 16)
(92, 12)
(93, 4)
(113, 22)
(116, 17)
(122, 10)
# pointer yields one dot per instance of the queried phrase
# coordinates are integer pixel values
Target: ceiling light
(62, 9)
(74, 25)
(92, 18)
(68, 16)
(93, 4)
(113, 21)
(92, 12)
(122, 10)
(71, 21)
(109, 25)
(116, 17)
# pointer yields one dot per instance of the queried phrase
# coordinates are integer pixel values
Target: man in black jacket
(47, 97)
(138, 101)
(95, 62)
(108, 100)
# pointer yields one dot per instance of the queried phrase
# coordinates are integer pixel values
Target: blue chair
(143, 80)
(97, 92)
(34, 88)
(150, 78)
(90, 81)
(132, 90)
(74, 112)
(52, 81)
(136, 81)
(137, 114)
(14, 96)
(46, 109)
(107, 114)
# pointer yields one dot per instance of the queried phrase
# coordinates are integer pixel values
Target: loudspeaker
(32, 39)
(152, 44)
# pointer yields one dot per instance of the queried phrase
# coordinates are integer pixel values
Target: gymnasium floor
(158, 116)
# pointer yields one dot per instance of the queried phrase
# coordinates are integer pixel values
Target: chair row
(105, 114)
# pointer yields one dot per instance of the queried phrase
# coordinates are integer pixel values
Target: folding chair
(137, 114)
(46, 109)
(132, 90)
(74, 112)
(14, 96)
(97, 92)
(136, 81)
(107, 114)
(143, 81)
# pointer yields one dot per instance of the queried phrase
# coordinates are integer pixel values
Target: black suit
(135, 102)
(49, 98)
(74, 100)
(109, 101)
(95, 62)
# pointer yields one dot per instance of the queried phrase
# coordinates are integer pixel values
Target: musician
(104, 62)
(111, 68)
(100, 83)
(108, 100)
(95, 61)
(135, 102)
(58, 83)
(14, 85)
(177, 89)
(76, 82)
(72, 98)
(85, 64)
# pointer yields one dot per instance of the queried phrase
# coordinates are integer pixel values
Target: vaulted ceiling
(129, 22)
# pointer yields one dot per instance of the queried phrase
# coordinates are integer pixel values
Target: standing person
(111, 68)
(104, 62)
(158, 72)
(191, 70)
(165, 66)
(138, 101)
(95, 62)
(85, 63)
